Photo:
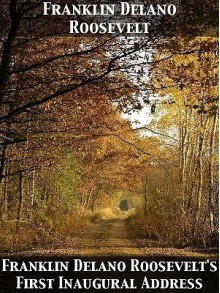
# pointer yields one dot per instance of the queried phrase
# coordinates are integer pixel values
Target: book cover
(109, 146)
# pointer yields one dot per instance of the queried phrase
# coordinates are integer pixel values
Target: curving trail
(108, 237)
(109, 240)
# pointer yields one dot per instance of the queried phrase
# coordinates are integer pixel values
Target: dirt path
(110, 237)
(107, 237)
(108, 240)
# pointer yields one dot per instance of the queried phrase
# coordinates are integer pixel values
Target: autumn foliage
(68, 147)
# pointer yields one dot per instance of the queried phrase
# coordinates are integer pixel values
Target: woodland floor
(110, 237)
(110, 240)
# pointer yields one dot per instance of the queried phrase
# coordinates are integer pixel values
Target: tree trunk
(32, 193)
(3, 179)
(21, 199)
(145, 197)
(203, 125)
(211, 177)
(5, 190)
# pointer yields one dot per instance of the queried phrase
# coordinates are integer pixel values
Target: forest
(72, 143)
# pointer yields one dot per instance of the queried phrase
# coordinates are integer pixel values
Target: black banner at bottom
(108, 274)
